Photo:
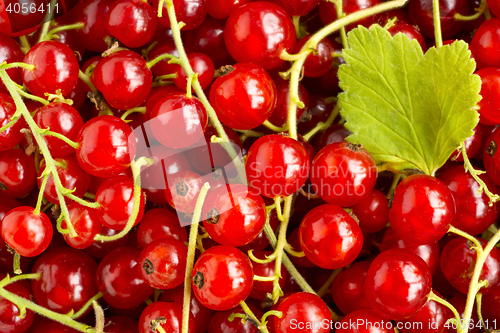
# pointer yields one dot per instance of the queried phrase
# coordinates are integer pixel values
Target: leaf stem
(193, 235)
(437, 23)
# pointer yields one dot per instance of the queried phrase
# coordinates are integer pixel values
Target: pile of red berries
(160, 164)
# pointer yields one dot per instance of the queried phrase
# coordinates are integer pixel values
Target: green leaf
(407, 109)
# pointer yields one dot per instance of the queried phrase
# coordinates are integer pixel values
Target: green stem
(74, 26)
(17, 263)
(86, 306)
(252, 317)
(459, 232)
(136, 174)
(394, 185)
(48, 18)
(176, 32)
(35, 130)
(60, 137)
(193, 235)
(474, 285)
(82, 76)
(274, 127)
(438, 299)
(40, 193)
(437, 23)
(479, 11)
(139, 109)
(159, 58)
(339, 8)
(323, 126)
(33, 97)
(322, 291)
(191, 78)
(24, 44)
(166, 77)
(99, 317)
(279, 250)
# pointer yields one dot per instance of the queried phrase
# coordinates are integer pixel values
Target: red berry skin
(116, 199)
(220, 9)
(494, 6)
(474, 214)
(432, 318)
(61, 118)
(371, 323)
(172, 312)
(348, 288)
(162, 67)
(472, 145)
(106, 146)
(10, 52)
(234, 215)
(303, 308)
(486, 43)
(159, 223)
(321, 61)
(410, 31)
(67, 280)
(163, 263)
(200, 64)
(10, 322)
(245, 89)
(120, 324)
(422, 209)
(491, 157)
(280, 113)
(343, 174)
(397, 284)
(262, 288)
(297, 7)
(490, 305)
(428, 252)
(124, 79)
(183, 190)
(93, 14)
(372, 212)
(87, 224)
(17, 173)
(100, 249)
(259, 32)
(190, 12)
(56, 67)
(132, 22)
(201, 314)
(328, 13)
(27, 232)
(222, 277)
(458, 260)
(119, 279)
(277, 166)
(489, 106)
(178, 121)
(10, 137)
(220, 322)
(330, 237)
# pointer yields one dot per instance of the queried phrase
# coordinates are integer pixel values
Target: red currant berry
(410, 31)
(343, 173)
(277, 166)
(365, 321)
(397, 284)
(422, 209)
(132, 22)
(106, 146)
(335, 133)
(259, 32)
(189, 12)
(163, 263)
(124, 79)
(220, 9)
(472, 145)
(200, 64)
(119, 279)
(491, 157)
(10, 52)
(234, 215)
(183, 190)
(67, 280)
(116, 199)
(11, 320)
(372, 212)
(330, 237)
(458, 260)
(486, 43)
(87, 224)
(244, 88)
(56, 68)
(93, 14)
(222, 278)
(220, 322)
(348, 288)
(328, 13)
(10, 137)
(321, 61)
(100, 249)
(305, 308)
(158, 224)
(172, 315)
(280, 113)
(17, 173)
(489, 105)
(297, 7)
(28, 232)
(262, 288)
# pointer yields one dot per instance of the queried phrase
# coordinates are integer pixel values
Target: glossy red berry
(56, 68)
(297, 7)
(159, 223)
(397, 284)
(244, 88)
(489, 105)
(10, 52)
(119, 279)
(222, 277)
(277, 165)
(132, 22)
(28, 232)
(162, 67)
(372, 212)
(200, 64)
(472, 145)
(190, 12)
(220, 322)
(259, 32)
(171, 312)
(485, 43)
(410, 31)
(280, 113)
(262, 288)
(100, 249)
(106, 146)
(10, 137)
(343, 173)
(183, 190)
(124, 79)
(87, 224)
(10, 319)
(369, 322)
(491, 157)
(321, 61)
(67, 280)
(422, 209)
(474, 214)
(328, 13)
(163, 263)
(116, 199)
(234, 215)
(17, 173)
(348, 288)
(304, 308)
(330, 237)
(93, 14)
(178, 121)
(458, 260)
(61, 118)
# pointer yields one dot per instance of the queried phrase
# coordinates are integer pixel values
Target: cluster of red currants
(378, 241)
